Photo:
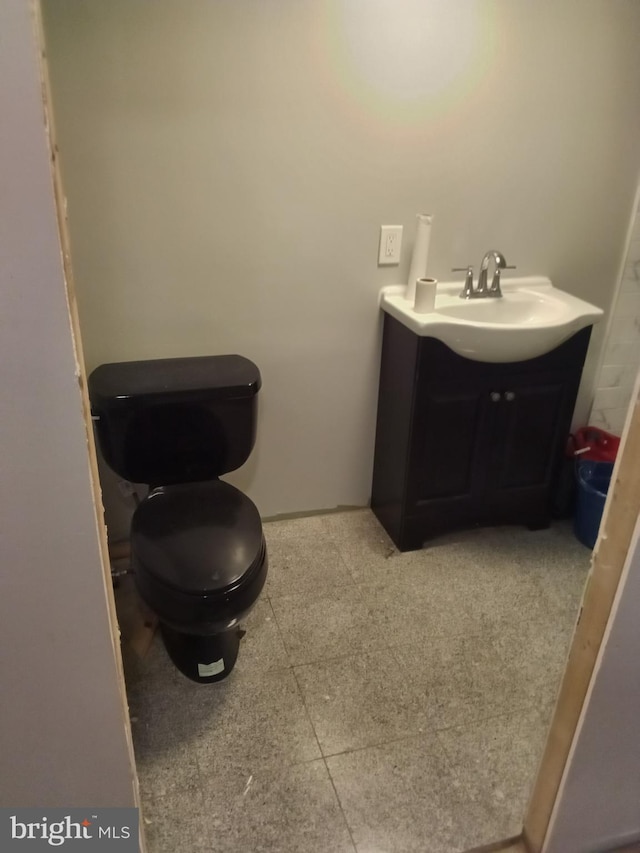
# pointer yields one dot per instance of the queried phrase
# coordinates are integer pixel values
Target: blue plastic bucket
(593, 484)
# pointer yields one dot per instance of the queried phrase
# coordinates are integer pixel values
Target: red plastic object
(593, 444)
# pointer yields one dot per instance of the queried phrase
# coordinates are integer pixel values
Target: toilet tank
(175, 420)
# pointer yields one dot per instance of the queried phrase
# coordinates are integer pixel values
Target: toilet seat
(198, 555)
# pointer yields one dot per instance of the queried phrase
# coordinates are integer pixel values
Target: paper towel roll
(425, 298)
(418, 267)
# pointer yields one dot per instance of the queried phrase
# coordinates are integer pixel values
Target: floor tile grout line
(323, 658)
(349, 656)
(379, 744)
(332, 658)
(433, 730)
(479, 720)
(324, 759)
(285, 646)
(422, 700)
(340, 806)
(308, 714)
(299, 688)
(434, 747)
(518, 714)
(306, 711)
(339, 547)
(303, 598)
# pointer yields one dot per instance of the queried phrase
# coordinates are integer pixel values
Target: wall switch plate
(390, 245)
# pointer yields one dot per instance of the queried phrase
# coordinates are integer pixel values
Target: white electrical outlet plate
(390, 245)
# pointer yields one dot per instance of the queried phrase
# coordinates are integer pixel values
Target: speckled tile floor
(381, 703)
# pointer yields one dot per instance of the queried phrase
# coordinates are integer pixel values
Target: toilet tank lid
(224, 376)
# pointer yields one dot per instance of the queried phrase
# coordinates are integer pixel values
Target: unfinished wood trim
(65, 246)
(609, 556)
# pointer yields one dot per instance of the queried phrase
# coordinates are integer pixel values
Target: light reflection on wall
(407, 60)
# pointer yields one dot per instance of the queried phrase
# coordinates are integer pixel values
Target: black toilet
(197, 549)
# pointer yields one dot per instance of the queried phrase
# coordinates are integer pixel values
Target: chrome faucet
(482, 291)
(499, 265)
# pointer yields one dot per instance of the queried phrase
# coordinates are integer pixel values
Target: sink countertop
(532, 318)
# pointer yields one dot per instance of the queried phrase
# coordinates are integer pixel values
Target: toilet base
(202, 659)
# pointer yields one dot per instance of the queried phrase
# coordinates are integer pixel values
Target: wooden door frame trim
(74, 323)
(609, 558)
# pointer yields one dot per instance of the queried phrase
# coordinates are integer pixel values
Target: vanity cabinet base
(462, 443)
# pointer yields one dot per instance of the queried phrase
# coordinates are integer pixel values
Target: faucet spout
(481, 290)
(500, 264)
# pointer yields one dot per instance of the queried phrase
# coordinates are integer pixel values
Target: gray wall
(228, 165)
(62, 722)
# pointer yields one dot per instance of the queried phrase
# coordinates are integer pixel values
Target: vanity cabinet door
(449, 446)
(533, 424)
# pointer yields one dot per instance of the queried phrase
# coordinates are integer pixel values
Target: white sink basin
(530, 319)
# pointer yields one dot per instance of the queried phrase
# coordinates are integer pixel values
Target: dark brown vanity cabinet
(462, 443)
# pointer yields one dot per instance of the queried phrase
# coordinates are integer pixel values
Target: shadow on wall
(617, 376)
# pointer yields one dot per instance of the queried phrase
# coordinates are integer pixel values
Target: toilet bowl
(198, 553)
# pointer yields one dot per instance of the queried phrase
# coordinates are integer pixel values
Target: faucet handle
(495, 289)
(467, 290)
